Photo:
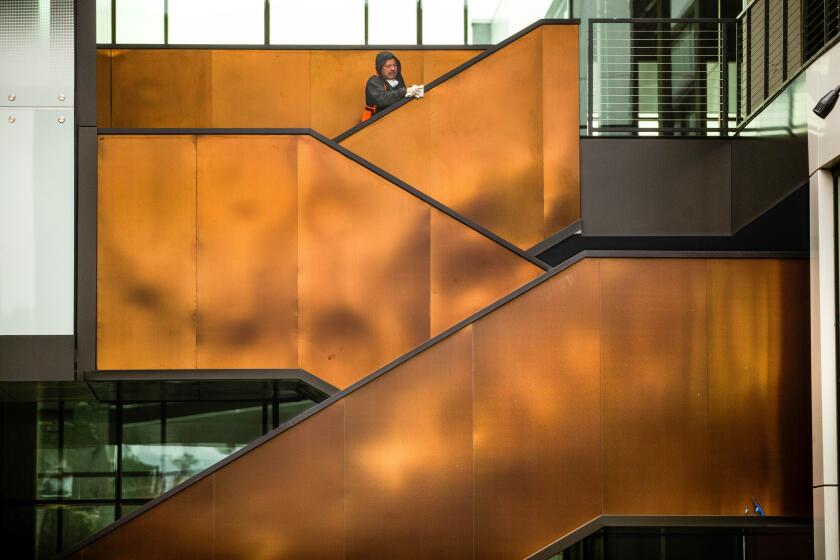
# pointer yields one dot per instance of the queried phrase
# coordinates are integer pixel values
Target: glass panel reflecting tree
(200, 434)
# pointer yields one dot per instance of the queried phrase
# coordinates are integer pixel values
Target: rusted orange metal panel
(223, 88)
(247, 252)
(537, 430)
(409, 476)
(364, 267)
(260, 89)
(759, 387)
(286, 499)
(655, 397)
(146, 255)
(161, 88)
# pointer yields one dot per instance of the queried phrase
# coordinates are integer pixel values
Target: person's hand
(414, 91)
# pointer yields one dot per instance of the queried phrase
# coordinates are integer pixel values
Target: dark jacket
(378, 92)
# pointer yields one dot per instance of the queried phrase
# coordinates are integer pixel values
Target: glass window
(443, 22)
(217, 21)
(79, 522)
(139, 22)
(103, 21)
(317, 22)
(143, 450)
(46, 531)
(200, 434)
(392, 22)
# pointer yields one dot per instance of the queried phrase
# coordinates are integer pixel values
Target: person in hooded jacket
(387, 86)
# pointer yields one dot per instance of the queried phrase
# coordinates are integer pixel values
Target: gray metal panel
(85, 63)
(86, 177)
(37, 358)
(764, 171)
(655, 186)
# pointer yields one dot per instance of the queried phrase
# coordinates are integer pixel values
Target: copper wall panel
(655, 398)
(469, 272)
(247, 252)
(399, 144)
(409, 479)
(146, 263)
(759, 385)
(438, 63)
(260, 89)
(486, 146)
(153, 534)
(103, 88)
(285, 499)
(161, 88)
(320, 89)
(560, 127)
(364, 267)
(338, 89)
(537, 427)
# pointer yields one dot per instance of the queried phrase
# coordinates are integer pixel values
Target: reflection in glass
(200, 434)
(216, 21)
(46, 531)
(318, 22)
(139, 22)
(79, 522)
(786, 115)
(443, 22)
(392, 22)
(142, 450)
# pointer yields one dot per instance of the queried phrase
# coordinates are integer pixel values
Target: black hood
(384, 57)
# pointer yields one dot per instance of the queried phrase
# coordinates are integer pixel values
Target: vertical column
(824, 366)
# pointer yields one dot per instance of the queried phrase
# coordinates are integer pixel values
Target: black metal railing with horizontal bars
(663, 77)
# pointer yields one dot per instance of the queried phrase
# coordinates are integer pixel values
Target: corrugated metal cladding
(743, 37)
(776, 45)
(794, 38)
(756, 60)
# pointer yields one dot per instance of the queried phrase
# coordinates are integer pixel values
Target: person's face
(389, 69)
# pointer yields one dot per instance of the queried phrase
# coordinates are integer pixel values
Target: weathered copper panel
(537, 434)
(486, 145)
(338, 88)
(260, 89)
(438, 63)
(320, 89)
(364, 267)
(399, 144)
(146, 264)
(655, 396)
(103, 88)
(409, 479)
(469, 272)
(247, 252)
(153, 534)
(560, 127)
(759, 386)
(161, 88)
(285, 499)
